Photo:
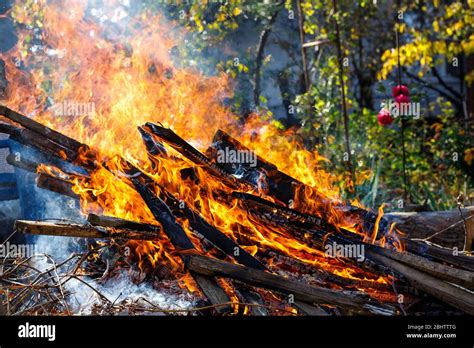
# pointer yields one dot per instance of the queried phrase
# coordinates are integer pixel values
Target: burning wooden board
(401, 263)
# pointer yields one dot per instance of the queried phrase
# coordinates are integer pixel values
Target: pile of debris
(395, 275)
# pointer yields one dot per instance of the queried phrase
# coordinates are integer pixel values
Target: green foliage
(437, 158)
(436, 29)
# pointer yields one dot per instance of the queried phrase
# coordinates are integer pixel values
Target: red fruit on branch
(402, 99)
(384, 117)
(400, 90)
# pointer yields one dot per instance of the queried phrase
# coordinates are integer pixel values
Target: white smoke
(84, 300)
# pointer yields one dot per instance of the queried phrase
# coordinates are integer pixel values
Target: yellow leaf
(469, 155)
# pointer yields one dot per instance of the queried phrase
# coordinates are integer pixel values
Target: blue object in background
(37, 203)
(8, 183)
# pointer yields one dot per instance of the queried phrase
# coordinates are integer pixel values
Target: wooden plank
(80, 231)
(454, 275)
(181, 241)
(37, 127)
(421, 225)
(300, 291)
(55, 184)
(192, 154)
(457, 297)
(110, 221)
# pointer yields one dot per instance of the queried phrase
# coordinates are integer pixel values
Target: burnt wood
(265, 176)
(82, 231)
(181, 241)
(197, 223)
(300, 291)
(110, 221)
(454, 275)
(37, 127)
(192, 154)
(457, 297)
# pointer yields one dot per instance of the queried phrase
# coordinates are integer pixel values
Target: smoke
(86, 296)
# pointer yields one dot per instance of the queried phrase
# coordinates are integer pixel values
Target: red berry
(400, 90)
(384, 117)
(402, 99)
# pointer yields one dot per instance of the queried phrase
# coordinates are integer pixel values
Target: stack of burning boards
(389, 274)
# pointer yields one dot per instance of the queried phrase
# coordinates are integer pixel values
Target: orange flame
(98, 85)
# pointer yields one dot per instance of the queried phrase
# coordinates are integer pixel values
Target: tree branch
(260, 51)
(444, 84)
(434, 88)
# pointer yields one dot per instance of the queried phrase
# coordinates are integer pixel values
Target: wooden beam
(37, 127)
(181, 241)
(454, 275)
(301, 291)
(57, 185)
(422, 225)
(81, 231)
(457, 297)
(110, 221)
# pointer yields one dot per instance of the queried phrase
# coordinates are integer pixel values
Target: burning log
(179, 238)
(412, 263)
(196, 222)
(81, 231)
(441, 271)
(213, 235)
(29, 138)
(110, 221)
(253, 298)
(192, 154)
(278, 184)
(55, 184)
(37, 127)
(166, 209)
(266, 176)
(216, 237)
(61, 185)
(153, 147)
(286, 214)
(49, 149)
(32, 167)
(441, 227)
(301, 291)
(267, 211)
(210, 288)
(457, 297)
(181, 241)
